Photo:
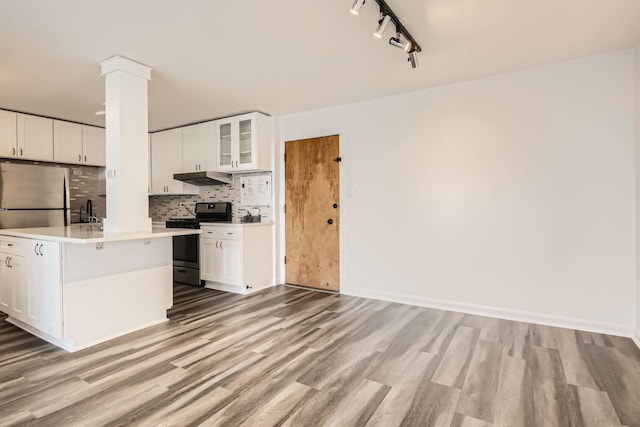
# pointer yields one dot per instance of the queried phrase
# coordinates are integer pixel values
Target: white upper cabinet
(199, 147)
(78, 144)
(8, 137)
(244, 143)
(35, 138)
(166, 160)
(94, 146)
(67, 142)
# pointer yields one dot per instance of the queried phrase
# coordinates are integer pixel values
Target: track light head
(400, 42)
(395, 41)
(382, 25)
(413, 58)
(357, 4)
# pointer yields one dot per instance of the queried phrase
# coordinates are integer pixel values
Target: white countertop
(228, 224)
(86, 233)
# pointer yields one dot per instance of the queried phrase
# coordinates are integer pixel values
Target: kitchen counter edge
(84, 233)
(233, 224)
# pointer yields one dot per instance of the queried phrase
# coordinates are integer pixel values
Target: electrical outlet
(183, 204)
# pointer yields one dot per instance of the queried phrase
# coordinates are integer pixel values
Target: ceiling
(214, 58)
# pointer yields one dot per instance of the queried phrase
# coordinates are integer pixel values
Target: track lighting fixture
(403, 39)
(357, 4)
(382, 25)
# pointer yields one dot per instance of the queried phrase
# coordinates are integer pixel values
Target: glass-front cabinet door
(245, 136)
(225, 146)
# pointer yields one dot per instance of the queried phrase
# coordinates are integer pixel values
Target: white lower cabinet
(6, 294)
(13, 279)
(13, 293)
(44, 292)
(30, 283)
(237, 258)
(222, 261)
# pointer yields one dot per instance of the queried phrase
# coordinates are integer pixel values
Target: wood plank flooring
(292, 357)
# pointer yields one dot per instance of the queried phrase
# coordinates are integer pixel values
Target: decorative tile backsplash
(86, 183)
(163, 208)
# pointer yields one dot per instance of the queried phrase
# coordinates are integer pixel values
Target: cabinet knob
(329, 221)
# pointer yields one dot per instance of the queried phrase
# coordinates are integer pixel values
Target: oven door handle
(180, 270)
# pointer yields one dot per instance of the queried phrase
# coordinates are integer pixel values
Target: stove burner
(205, 212)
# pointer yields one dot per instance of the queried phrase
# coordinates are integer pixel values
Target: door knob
(329, 221)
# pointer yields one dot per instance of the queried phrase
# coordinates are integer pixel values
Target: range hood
(204, 178)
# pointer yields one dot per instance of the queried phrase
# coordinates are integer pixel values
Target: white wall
(510, 196)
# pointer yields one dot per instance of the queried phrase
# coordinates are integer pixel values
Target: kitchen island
(77, 286)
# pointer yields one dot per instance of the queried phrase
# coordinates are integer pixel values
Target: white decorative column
(127, 172)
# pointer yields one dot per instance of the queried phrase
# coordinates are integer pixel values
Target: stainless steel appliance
(33, 196)
(186, 249)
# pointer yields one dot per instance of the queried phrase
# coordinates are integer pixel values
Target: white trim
(636, 338)
(497, 312)
(68, 345)
(119, 63)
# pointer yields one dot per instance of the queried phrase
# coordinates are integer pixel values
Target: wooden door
(313, 212)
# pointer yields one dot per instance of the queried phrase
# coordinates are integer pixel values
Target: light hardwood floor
(293, 357)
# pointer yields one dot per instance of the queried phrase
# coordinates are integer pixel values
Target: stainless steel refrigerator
(33, 196)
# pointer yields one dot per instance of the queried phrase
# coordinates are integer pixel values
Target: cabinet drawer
(13, 246)
(226, 233)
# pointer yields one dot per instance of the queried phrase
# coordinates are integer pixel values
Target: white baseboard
(497, 312)
(636, 337)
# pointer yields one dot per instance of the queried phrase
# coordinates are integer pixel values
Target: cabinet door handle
(180, 270)
(79, 157)
(10, 258)
(85, 158)
(6, 261)
(216, 244)
(40, 250)
(220, 244)
(21, 152)
(14, 153)
(35, 248)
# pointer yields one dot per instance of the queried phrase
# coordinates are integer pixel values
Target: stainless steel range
(186, 249)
